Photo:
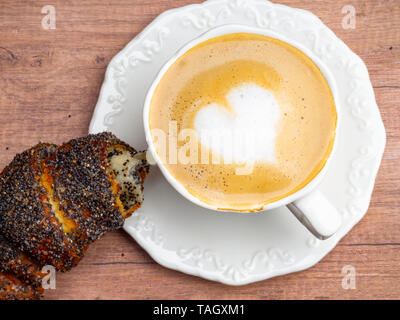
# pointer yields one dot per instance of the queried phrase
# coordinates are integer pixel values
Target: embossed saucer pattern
(236, 248)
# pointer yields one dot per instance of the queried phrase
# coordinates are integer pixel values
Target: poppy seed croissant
(56, 200)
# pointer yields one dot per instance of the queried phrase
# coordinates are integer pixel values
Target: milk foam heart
(243, 131)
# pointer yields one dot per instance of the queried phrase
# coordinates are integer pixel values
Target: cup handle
(317, 214)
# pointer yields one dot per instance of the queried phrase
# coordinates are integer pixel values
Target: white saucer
(235, 248)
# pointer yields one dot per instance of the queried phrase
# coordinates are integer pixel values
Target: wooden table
(49, 84)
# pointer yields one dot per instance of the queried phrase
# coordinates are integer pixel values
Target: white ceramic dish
(228, 247)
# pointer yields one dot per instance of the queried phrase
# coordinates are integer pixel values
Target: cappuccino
(243, 120)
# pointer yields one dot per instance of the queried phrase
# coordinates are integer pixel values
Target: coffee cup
(307, 203)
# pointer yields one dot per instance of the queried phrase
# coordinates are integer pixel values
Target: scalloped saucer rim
(147, 52)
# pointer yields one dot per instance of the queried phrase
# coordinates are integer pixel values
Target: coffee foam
(254, 84)
(245, 130)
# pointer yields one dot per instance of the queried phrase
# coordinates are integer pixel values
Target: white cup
(309, 205)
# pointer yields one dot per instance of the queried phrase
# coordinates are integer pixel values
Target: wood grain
(49, 84)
